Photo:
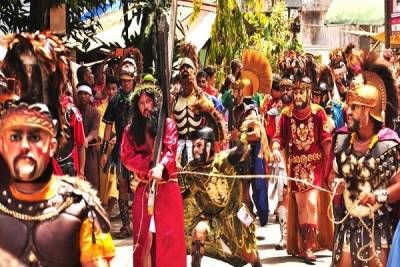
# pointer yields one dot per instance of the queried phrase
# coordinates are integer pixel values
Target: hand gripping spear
(164, 46)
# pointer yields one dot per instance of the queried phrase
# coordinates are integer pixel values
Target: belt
(158, 182)
(303, 159)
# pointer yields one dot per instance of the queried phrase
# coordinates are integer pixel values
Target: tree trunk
(39, 15)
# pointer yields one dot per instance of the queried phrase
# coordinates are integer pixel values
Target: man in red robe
(305, 135)
(158, 238)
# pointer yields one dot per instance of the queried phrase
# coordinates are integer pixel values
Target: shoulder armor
(315, 108)
(287, 111)
(83, 189)
(339, 142)
(383, 146)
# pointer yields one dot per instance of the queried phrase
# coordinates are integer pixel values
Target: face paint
(27, 151)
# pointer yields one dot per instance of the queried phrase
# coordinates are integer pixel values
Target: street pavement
(269, 256)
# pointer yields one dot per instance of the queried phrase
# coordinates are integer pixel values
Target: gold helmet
(369, 91)
(375, 88)
(256, 75)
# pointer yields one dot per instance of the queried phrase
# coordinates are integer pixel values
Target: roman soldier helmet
(291, 66)
(189, 56)
(374, 87)
(303, 82)
(38, 65)
(325, 80)
(256, 75)
(325, 83)
(354, 59)
(130, 66)
(205, 133)
(127, 69)
(303, 71)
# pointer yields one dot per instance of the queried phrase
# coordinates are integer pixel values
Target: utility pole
(387, 23)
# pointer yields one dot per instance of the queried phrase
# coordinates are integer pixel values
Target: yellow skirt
(108, 185)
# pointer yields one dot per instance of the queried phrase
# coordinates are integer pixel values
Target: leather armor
(47, 233)
(382, 161)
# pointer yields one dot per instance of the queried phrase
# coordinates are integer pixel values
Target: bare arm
(106, 137)
(94, 131)
(82, 159)
(107, 132)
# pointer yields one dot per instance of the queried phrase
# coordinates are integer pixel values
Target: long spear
(164, 44)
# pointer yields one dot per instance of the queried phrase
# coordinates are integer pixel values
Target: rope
(332, 193)
(253, 176)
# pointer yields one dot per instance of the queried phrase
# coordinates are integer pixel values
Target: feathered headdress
(325, 80)
(257, 70)
(310, 69)
(39, 65)
(291, 65)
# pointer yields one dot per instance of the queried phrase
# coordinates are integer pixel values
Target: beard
(24, 168)
(355, 126)
(184, 74)
(286, 99)
(303, 104)
(152, 122)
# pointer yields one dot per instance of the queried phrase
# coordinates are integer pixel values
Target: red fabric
(211, 91)
(270, 120)
(304, 136)
(78, 130)
(79, 136)
(56, 168)
(168, 209)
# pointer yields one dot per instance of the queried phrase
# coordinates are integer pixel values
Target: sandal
(123, 233)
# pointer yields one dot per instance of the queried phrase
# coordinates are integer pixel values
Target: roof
(378, 36)
(199, 30)
(356, 12)
(293, 3)
(196, 32)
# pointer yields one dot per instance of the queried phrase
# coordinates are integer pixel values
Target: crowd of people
(324, 137)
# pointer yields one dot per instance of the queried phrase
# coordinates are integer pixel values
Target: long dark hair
(139, 123)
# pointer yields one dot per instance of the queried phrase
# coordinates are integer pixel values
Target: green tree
(228, 36)
(272, 35)
(33, 15)
(234, 30)
(146, 14)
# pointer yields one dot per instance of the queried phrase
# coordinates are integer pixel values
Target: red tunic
(168, 210)
(303, 135)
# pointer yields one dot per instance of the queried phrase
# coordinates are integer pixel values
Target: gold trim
(303, 159)
(302, 85)
(40, 218)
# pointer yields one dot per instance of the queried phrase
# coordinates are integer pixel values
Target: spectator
(91, 121)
